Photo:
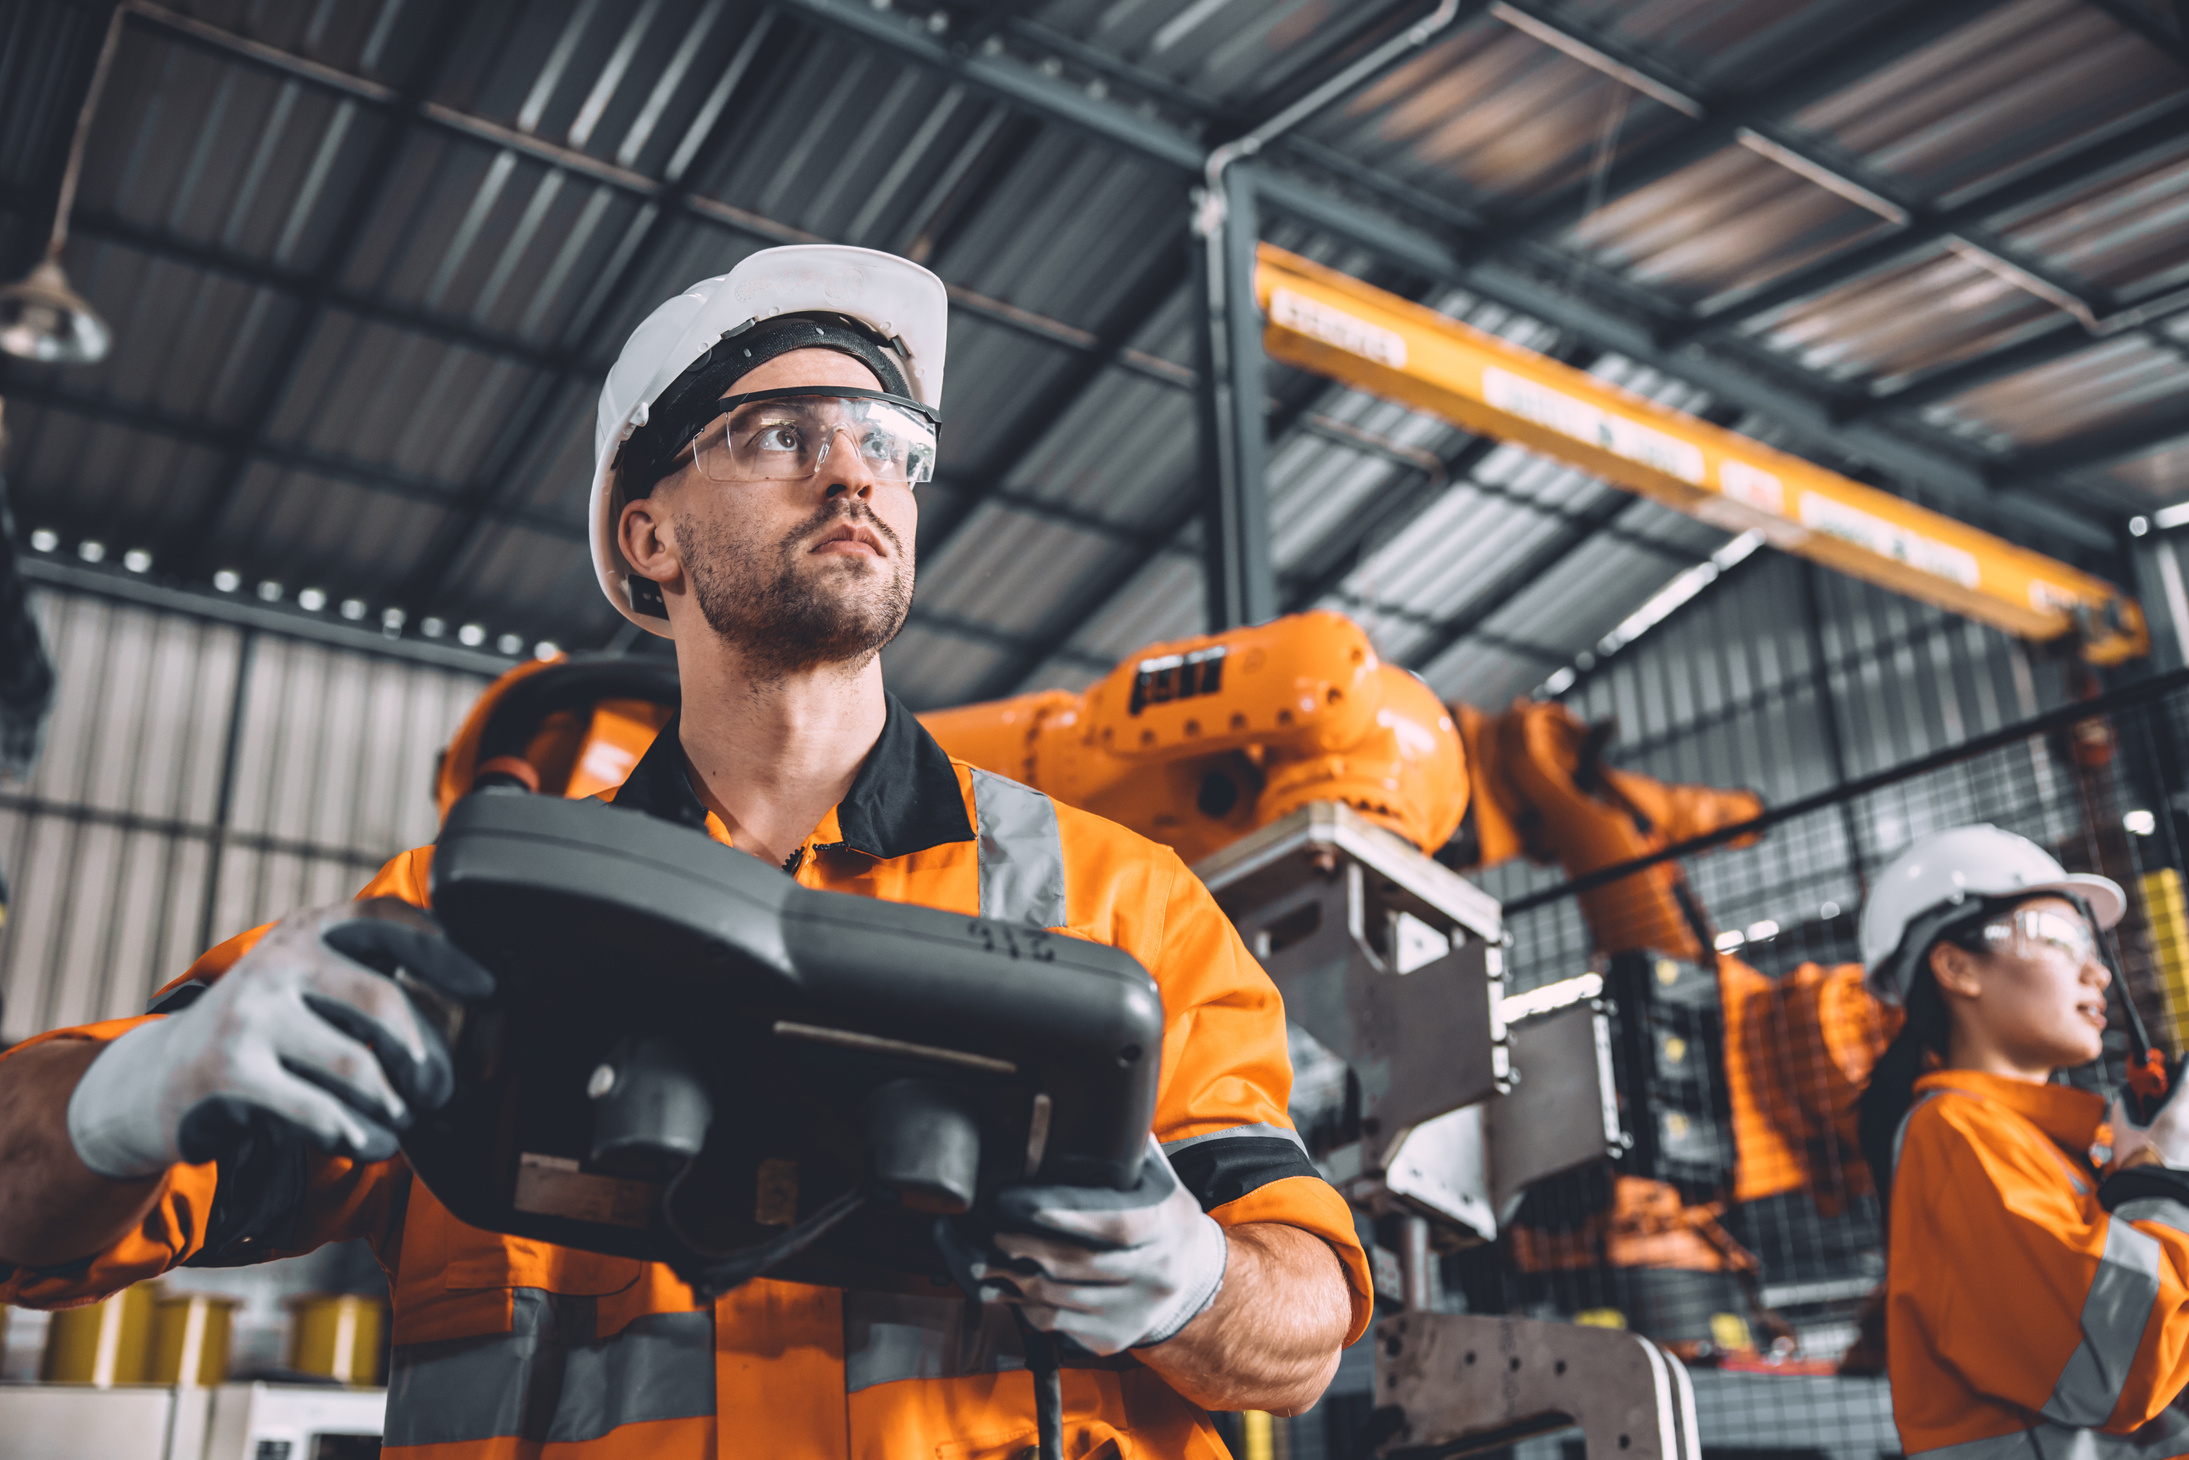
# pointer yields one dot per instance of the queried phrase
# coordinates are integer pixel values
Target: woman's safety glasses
(788, 435)
(2035, 930)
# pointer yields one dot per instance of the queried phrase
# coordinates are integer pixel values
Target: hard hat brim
(2102, 895)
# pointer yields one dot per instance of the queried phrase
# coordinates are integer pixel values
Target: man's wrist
(106, 1127)
(1195, 1307)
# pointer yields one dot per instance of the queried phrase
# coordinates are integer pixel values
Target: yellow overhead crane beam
(1376, 342)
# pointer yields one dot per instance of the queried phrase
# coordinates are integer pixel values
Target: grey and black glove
(1109, 1269)
(310, 1028)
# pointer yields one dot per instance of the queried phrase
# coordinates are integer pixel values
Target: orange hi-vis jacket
(505, 1347)
(2031, 1311)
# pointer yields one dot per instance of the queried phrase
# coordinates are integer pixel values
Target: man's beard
(787, 621)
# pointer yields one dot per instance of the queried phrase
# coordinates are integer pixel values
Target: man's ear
(1955, 969)
(647, 538)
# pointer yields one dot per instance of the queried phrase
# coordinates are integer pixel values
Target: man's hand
(310, 1028)
(1246, 1317)
(1109, 1269)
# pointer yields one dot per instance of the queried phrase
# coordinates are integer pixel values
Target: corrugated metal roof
(360, 338)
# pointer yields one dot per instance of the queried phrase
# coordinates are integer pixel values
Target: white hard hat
(895, 298)
(1945, 870)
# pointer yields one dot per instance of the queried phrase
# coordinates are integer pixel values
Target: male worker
(759, 442)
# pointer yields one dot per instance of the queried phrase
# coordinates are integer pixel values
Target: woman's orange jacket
(2031, 1312)
(506, 1347)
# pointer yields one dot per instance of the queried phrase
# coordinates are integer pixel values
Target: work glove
(2165, 1132)
(1111, 1270)
(310, 1028)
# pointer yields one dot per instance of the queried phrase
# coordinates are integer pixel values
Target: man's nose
(845, 471)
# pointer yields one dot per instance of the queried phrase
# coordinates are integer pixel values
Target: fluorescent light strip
(1656, 610)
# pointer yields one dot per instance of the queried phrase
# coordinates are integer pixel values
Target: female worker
(2037, 1306)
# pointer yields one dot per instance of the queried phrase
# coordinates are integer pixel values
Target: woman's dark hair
(1885, 1100)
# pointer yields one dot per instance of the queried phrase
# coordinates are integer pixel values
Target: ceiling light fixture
(41, 317)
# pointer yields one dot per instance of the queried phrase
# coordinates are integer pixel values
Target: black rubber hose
(1042, 1363)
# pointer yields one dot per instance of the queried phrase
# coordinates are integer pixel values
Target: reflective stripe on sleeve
(549, 1380)
(2115, 1313)
(2163, 1210)
(1220, 1166)
(1900, 1132)
(2166, 1436)
(178, 998)
(1021, 853)
(1172, 1148)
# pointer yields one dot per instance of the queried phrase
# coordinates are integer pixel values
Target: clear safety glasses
(2032, 930)
(787, 436)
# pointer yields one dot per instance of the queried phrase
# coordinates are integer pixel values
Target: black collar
(905, 798)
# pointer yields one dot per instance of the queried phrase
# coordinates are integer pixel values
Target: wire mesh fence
(1742, 1228)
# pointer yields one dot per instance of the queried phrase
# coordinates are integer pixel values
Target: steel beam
(1097, 351)
(2097, 450)
(250, 614)
(1517, 578)
(1234, 445)
(1007, 81)
(2069, 170)
(2069, 337)
(189, 550)
(372, 476)
(1853, 56)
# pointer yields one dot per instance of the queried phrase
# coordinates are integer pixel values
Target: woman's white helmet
(1937, 874)
(897, 299)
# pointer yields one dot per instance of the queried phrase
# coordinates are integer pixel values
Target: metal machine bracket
(1450, 1384)
(1373, 943)
(1393, 964)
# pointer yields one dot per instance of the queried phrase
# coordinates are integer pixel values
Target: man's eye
(776, 438)
(879, 447)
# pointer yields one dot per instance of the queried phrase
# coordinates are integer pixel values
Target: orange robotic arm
(562, 727)
(1542, 790)
(1198, 742)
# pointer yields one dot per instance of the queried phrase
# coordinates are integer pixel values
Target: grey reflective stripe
(549, 1380)
(2021, 1445)
(2115, 1314)
(2161, 1209)
(1276, 1132)
(891, 1336)
(1900, 1134)
(2164, 1437)
(1021, 853)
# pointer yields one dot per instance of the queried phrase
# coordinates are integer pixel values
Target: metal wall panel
(178, 747)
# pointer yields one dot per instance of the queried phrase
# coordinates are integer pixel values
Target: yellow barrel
(336, 1334)
(108, 1342)
(190, 1334)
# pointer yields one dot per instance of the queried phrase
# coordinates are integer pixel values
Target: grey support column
(1234, 450)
